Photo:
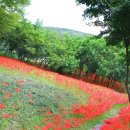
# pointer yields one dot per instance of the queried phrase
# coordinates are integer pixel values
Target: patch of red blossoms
(120, 122)
(17, 90)
(6, 115)
(7, 95)
(1, 106)
(99, 100)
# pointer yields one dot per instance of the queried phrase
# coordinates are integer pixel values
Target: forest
(63, 53)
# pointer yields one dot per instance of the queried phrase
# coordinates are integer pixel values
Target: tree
(111, 63)
(86, 53)
(100, 59)
(25, 40)
(10, 13)
(116, 17)
(60, 52)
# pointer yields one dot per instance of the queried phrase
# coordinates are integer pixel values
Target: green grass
(46, 96)
(44, 84)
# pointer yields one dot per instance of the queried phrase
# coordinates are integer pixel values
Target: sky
(60, 13)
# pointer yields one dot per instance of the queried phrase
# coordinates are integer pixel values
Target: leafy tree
(25, 40)
(38, 24)
(10, 13)
(111, 63)
(59, 52)
(89, 53)
(69, 59)
(101, 59)
(116, 17)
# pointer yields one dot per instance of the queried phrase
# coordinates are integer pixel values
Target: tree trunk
(127, 70)
(6, 52)
(40, 65)
(35, 62)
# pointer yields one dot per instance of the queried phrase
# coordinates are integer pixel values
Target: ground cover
(119, 122)
(31, 98)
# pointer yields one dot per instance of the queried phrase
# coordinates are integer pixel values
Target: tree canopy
(116, 17)
(10, 12)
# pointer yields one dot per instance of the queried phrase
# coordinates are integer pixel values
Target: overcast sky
(59, 13)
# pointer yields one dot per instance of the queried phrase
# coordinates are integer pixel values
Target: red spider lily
(120, 122)
(5, 84)
(6, 115)
(7, 95)
(49, 125)
(17, 90)
(66, 124)
(21, 85)
(20, 81)
(1, 106)
(28, 95)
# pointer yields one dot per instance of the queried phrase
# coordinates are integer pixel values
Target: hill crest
(63, 31)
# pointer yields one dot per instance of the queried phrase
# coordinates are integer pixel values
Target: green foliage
(10, 12)
(116, 17)
(25, 40)
(112, 63)
(63, 54)
(101, 59)
(59, 52)
(89, 52)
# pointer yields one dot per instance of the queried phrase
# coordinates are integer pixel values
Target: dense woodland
(63, 54)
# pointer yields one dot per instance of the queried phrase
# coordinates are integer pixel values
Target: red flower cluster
(59, 122)
(1, 106)
(17, 90)
(109, 83)
(6, 115)
(5, 84)
(7, 95)
(120, 122)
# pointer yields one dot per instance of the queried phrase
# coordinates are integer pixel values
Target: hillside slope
(31, 98)
(63, 31)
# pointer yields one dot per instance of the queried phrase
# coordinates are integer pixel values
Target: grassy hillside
(34, 99)
(62, 31)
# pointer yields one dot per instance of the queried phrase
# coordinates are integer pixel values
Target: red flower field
(18, 97)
